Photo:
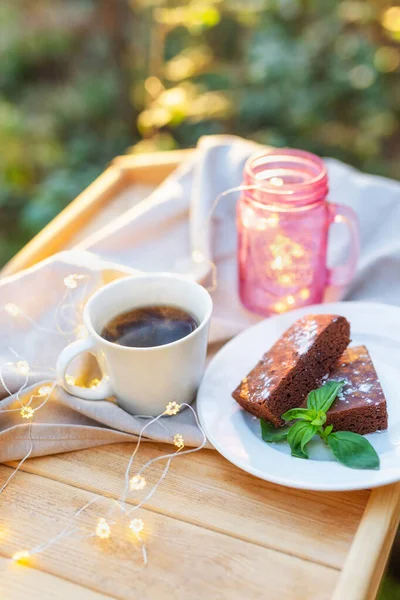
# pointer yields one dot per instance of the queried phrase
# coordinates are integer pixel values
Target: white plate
(236, 434)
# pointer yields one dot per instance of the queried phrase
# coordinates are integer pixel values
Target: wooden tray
(238, 536)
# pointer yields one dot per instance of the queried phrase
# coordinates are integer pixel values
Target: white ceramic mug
(144, 380)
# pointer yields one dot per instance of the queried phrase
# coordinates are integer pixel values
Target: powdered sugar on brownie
(360, 406)
(262, 390)
(365, 387)
(304, 336)
(357, 385)
(279, 381)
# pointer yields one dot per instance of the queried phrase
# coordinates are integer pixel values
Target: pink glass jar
(283, 224)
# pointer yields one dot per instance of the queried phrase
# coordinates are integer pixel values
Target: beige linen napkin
(163, 232)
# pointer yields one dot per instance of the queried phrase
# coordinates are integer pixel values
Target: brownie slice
(361, 405)
(293, 366)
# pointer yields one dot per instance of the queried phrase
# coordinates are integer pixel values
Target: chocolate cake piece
(293, 366)
(361, 405)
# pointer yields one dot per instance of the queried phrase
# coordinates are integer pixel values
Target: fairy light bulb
(298, 251)
(304, 294)
(172, 408)
(277, 263)
(22, 367)
(26, 412)
(273, 220)
(44, 390)
(103, 530)
(71, 281)
(280, 307)
(70, 379)
(94, 383)
(137, 482)
(285, 279)
(136, 525)
(81, 332)
(20, 556)
(179, 441)
(197, 256)
(12, 309)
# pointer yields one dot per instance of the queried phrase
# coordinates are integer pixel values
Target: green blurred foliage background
(84, 80)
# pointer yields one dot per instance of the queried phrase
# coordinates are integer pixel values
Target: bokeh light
(158, 75)
(391, 19)
(387, 59)
(362, 77)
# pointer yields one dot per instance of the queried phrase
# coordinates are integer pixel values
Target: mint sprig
(298, 437)
(269, 433)
(353, 450)
(350, 449)
(324, 397)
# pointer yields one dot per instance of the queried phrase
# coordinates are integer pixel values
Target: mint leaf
(299, 413)
(320, 418)
(269, 433)
(353, 450)
(328, 430)
(324, 397)
(298, 437)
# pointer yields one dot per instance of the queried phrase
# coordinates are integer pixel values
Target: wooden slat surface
(214, 531)
(185, 560)
(20, 581)
(283, 519)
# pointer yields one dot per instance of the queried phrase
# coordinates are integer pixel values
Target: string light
(298, 251)
(172, 408)
(278, 181)
(273, 220)
(81, 332)
(179, 441)
(136, 525)
(44, 390)
(285, 280)
(304, 294)
(21, 556)
(197, 256)
(277, 263)
(283, 250)
(26, 412)
(280, 307)
(137, 482)
(103, 530)
(12, 309)
(71, 281)
(22, 367)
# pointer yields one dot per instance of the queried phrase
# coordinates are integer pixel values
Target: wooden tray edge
(366, 561)
(148, 169)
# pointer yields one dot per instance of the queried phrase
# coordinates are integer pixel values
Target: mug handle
(100, 392)
(342, 275)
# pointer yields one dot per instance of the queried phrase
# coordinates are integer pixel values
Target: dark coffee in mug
(149, 326)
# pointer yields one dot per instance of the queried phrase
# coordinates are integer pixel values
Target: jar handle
(343, 274)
